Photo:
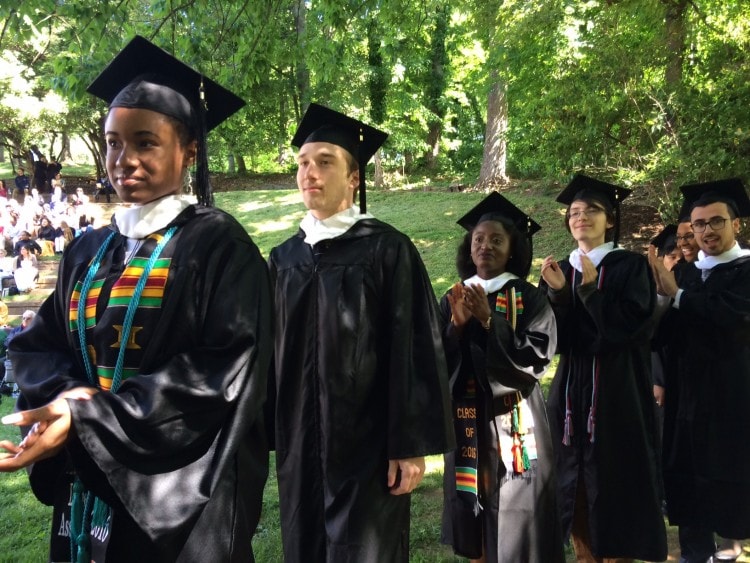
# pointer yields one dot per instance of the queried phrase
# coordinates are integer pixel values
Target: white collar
(596, 255)
(705, 262)
(491, 285)
(332, 227)
(139, 221)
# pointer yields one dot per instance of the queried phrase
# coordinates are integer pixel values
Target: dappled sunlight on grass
(284, 223)
(433, 464)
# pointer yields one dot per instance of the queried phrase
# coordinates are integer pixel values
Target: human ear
(191, 153)
(354, 179)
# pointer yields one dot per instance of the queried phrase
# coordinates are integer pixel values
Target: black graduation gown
(707, 418)
(608, 326)
(520, 519)
(179, 452)
(360, 379)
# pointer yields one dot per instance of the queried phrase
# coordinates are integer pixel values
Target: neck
(587, 245)
(488, 275)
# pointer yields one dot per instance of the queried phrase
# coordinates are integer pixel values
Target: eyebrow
(322, 152)
(141, 133)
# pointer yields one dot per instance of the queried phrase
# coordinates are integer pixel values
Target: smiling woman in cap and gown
(499, 336)
(601, 400)
(361, 386)
(147, 366)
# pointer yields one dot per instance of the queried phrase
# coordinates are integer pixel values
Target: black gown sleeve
(419, 414)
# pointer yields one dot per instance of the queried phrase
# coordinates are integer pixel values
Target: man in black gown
(361, 383)
(707, 422)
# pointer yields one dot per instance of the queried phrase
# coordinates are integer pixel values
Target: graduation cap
(665, 241)
(730, 191)
(496, 207)
(324, 125)
(585, 188)
(145, 76)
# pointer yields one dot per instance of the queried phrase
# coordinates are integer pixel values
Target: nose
(126, 157)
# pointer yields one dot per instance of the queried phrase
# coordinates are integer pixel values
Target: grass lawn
(271, 216)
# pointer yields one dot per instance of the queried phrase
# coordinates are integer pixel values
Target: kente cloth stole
(465, 426)
(120, 296)
(141, 285)
(509, 303)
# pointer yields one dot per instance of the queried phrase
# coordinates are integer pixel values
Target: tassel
(517, 456)
(525, 455)
(568, 430)
(591, 425)
(521, 428)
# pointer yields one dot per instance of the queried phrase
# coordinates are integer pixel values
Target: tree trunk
(674, 23)
(436, 83)
(434, 133)
(230, 163)
(674, 29)
(65, 152)
(378, 181)
(241, 165)
(495, 142)
(301, 72)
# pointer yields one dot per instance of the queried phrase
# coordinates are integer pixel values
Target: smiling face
(588, 223)
(714, 242)
(146, 159)
(490, 249)
(686, 241)
(325, 178)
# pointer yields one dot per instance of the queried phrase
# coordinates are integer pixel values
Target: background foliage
(650, 93)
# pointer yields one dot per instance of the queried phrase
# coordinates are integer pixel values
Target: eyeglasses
(588, 212)
(716, 224)
(686, 237)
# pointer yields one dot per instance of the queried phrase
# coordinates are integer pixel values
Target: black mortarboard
(665, 241)
(730, 191)
(583, 188)
(324, 125)
(495, 205)
(145, 76)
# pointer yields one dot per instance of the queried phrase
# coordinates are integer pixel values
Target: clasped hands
(468, 301)
(50, 426)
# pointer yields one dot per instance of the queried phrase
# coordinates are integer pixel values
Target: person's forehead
(717, 209)
(583, 204)
(321, 148)
(684, 227)
(491, 228)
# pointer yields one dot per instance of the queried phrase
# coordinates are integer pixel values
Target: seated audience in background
(26, 318)
(26, 272)
(22, 183)
(45, 237)
(25, 240)
(63, 236)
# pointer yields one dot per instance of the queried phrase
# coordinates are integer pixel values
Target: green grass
(6, 171)
(24, 522)
(428, 218)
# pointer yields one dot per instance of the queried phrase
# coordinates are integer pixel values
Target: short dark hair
(714, 197)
